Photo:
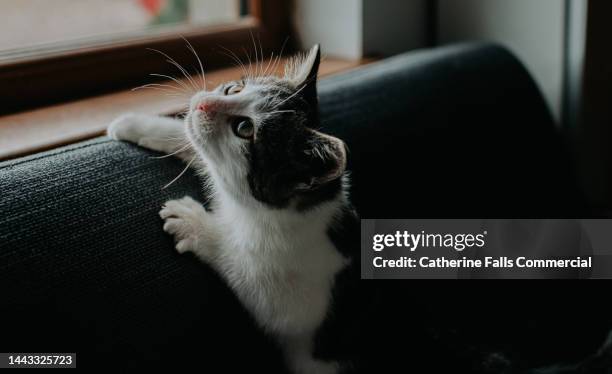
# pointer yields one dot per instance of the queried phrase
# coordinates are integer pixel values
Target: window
(67, 24)
(102, 45)
(67, 70)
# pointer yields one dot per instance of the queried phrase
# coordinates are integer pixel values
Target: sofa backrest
(461, 131)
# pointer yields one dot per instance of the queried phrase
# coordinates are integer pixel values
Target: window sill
(49, 127)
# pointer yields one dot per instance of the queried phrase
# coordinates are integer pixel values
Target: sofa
(454, 132)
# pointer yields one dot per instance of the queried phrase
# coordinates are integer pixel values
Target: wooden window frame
(33, 82)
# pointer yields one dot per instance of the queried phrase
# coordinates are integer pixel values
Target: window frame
(87, 71)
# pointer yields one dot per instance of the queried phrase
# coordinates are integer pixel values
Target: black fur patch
(281, 157)
(279, 163)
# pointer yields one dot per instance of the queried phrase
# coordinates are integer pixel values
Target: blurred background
(563, 43)
(70, 21)
(537, 31)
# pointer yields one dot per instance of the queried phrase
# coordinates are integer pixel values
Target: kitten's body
(271, 246)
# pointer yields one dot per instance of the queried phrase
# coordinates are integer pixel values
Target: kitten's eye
(233, 89)
(243, 128)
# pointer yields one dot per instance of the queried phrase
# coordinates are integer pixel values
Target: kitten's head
(258, 137)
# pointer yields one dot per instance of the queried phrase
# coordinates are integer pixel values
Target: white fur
(157, 133)
(280, 262)
(298, 67)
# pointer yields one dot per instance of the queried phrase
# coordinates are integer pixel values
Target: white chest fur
(281, 263)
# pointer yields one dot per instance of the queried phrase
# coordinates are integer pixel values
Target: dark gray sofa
(460, 131)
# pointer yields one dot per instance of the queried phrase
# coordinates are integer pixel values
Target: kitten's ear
(326, 156)
(302, 72)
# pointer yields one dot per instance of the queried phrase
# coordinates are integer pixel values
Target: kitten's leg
(157, 133)
(298, 353)
(191, 226)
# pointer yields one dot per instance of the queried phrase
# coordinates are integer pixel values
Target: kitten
(278, 188)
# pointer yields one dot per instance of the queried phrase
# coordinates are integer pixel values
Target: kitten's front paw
(125, 127)
(134, 128)
(185, 220)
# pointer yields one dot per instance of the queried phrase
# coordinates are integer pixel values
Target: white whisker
(265, 73)
(250, 62)
(169, 93)
(281, 111)
(255, 50)
(280, 54)
(181, 174)
(261, 54)
(292, 95)
(190, 47)
(174, 79)
(178, 66)
(183, 148)
(233, 56)
(154, 85)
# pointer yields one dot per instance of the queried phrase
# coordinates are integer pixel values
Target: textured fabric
(460, 131)
(84, 265)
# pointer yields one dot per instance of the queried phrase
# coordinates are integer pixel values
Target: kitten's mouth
(201, 125)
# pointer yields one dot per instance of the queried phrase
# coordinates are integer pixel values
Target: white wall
(393, 26)
(335, 24)
(355, 28)
(213, 11)
(532, 29)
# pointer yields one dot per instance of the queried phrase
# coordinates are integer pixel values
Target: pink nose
(208, 107)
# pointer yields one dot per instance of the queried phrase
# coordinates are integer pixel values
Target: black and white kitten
(277, 184)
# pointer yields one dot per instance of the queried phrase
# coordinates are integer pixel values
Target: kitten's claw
(184, 219)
